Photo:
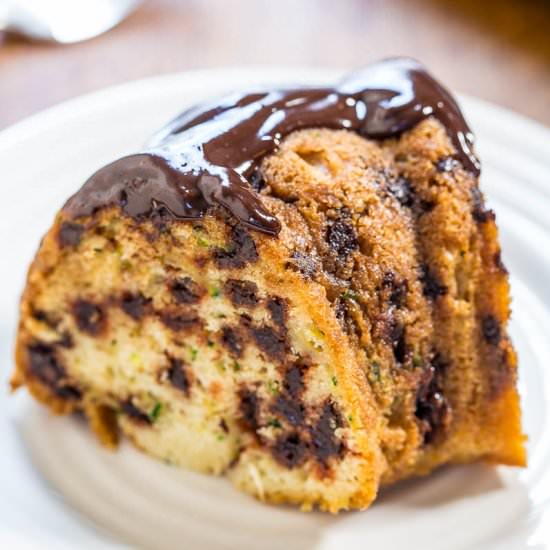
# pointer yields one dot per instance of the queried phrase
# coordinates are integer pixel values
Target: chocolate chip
(423, 206)
(70, 234)
(245, 321)
(446, 164)
(269, 341)
(89, 317)
(185, 290)
(432, 409)
(134, 304)
(289, 450)
(44, 317)
(241, 293)
(432, 287)
(344, 314)
(341, 238)
(388, 281)
(479, 212)
(277, 309)
(393, 333)
(397, 289)
(133, 412)
(231, 339)
(288, 404)
(40, 315)
(242, 250)
(66, 340)
(177, 375)
(399, 344)
(402, 190)
(341, 310)
(45, 366)
(293, 382)
(325, 444)
(249, 406)
(180, 321)
(223, 426)
(491, 330)
(290, 409)
(67, 391)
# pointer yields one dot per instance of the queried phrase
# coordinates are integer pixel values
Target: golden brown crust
(440, 238)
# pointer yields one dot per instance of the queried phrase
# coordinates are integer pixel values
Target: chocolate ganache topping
(205, 156)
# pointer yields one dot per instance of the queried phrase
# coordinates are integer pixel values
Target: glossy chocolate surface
(205, 156)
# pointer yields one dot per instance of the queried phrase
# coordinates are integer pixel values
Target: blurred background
(495, 49)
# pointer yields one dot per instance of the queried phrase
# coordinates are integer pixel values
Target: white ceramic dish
(59, 488)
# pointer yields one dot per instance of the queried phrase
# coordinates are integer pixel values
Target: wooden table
(495, 49)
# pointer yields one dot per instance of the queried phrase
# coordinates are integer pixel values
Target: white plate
(59, 488)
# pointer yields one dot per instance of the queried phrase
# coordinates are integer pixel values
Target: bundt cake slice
(302, 290)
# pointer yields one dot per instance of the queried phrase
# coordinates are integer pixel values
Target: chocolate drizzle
(206, 156)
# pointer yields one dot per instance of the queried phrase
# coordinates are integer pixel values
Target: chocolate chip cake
(301, 289)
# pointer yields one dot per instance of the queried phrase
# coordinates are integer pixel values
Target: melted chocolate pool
(205, 156)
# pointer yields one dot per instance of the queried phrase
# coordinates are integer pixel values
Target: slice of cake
(300, 289)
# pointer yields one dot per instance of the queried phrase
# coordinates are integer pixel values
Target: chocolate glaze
(206, 156)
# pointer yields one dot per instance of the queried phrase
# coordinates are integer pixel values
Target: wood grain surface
(496, 49)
